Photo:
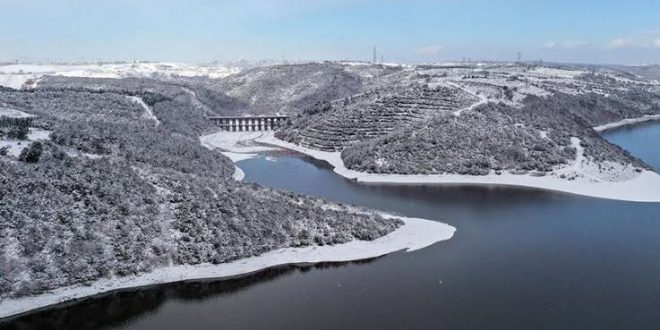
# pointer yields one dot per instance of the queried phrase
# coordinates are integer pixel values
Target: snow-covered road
(148, 112)
(482, 98)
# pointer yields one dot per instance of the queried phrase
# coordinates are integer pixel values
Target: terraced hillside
(480, 119)
(375, 114)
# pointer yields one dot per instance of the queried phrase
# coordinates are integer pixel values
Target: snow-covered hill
(110, 193)
(17, 75)
(475, 119)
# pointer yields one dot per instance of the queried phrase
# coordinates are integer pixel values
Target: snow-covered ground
(482, 99)
(196, 102)
(13, 113)
(626, 122)
(236, 145)
(237, 156)
(583, 177)
(238, 175)
(16, 75)
(241, 145)
(557, 72)
(148, 112)
(415, 234)
(16, 146)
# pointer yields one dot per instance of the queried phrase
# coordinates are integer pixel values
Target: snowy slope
(16, 75)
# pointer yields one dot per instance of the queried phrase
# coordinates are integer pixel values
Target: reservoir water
(521, 259)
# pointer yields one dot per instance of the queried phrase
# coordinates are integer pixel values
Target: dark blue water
(521, 259)
(642, 140)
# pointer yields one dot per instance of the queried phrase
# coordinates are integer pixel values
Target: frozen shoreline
(626, 122)
(644, 187)
(238, 175)
(208, 142)
(415, 234)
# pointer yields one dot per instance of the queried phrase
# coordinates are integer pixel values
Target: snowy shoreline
(626, 122)
(415, 234)
(208, 142)
(643, 187)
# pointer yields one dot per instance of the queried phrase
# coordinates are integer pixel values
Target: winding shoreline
(626, 122)
(644, 187)
(415, 234)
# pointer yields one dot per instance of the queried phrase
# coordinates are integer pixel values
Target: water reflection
(120, 308)
(522, 258)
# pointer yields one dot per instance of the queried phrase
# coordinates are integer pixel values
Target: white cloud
(565, 44)
(656, 43)
(644, 39)
(551, 44)
(640, 42)
(622, 43)
(429, 50)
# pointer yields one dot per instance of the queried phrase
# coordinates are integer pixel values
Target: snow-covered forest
(111, 180)
(111, 194)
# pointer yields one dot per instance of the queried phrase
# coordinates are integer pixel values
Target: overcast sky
(604, 31)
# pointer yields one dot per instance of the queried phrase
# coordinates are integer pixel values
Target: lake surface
(642, 140)
(521, 259)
